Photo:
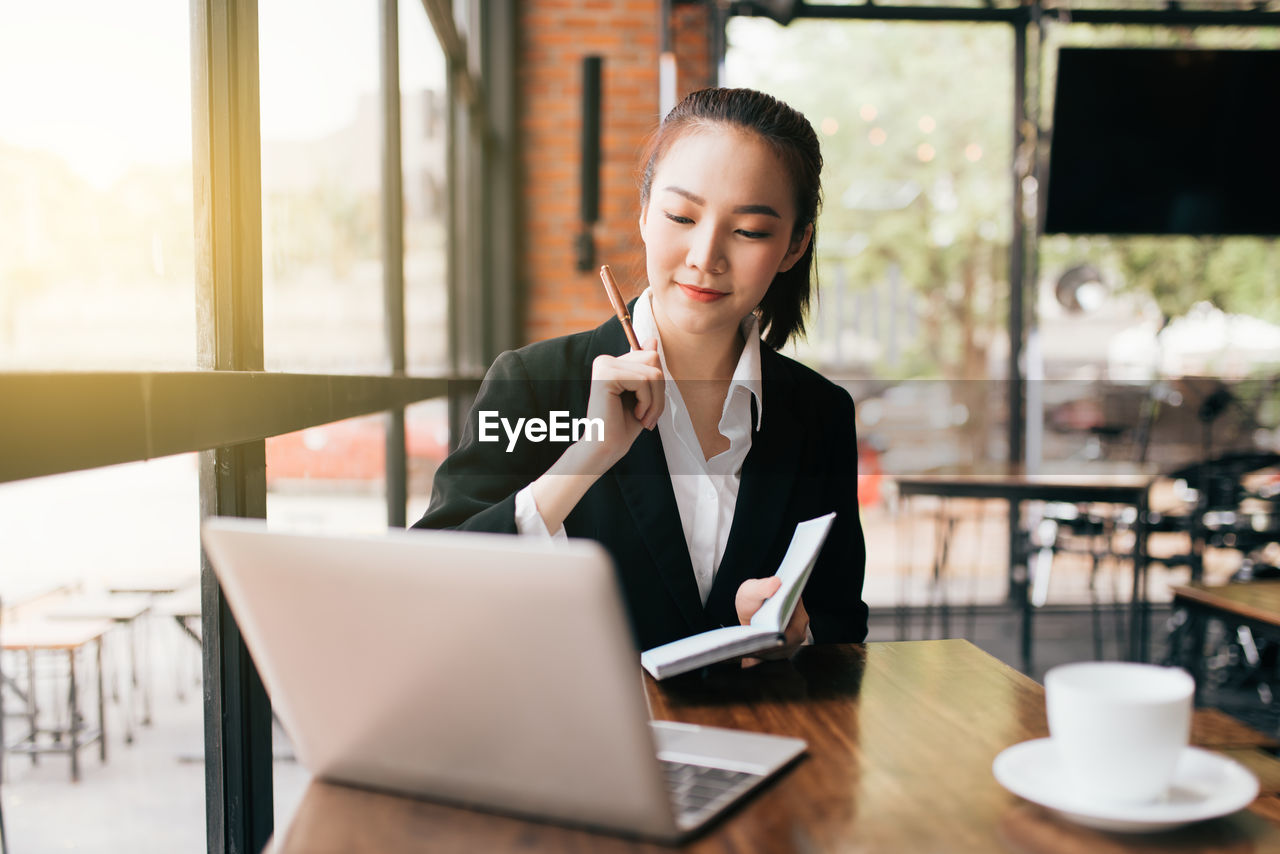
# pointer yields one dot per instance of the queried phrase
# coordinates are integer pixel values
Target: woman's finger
(644, 397)
(751, 595)
(646, 383)
(798, 627)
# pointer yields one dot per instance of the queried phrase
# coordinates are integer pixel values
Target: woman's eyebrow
(681, 191)
(757, 209)
(740, 209)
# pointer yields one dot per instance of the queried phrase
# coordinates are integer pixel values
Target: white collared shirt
(706, 491)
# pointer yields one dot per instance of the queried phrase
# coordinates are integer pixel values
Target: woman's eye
(754, 235)
(682, 220)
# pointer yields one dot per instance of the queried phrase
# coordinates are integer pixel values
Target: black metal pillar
(393, 254)
(226, 154)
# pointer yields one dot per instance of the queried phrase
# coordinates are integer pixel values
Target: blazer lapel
(646, 487)
(768, 476)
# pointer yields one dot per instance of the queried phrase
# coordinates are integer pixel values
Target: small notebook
(766, 630)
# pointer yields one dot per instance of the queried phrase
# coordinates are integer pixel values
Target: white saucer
(1205, 785)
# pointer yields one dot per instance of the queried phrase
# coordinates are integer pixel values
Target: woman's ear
(797, 248)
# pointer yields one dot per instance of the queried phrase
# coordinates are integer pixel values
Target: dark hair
(791, 137)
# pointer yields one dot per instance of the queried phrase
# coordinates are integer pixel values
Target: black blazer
(802, 464)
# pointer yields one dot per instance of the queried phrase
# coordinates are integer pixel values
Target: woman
(714, 446)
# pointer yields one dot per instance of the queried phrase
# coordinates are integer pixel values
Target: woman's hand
(751, 595)
(627, 395)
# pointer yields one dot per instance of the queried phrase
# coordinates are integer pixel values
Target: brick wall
(690, 38)
(554, 37)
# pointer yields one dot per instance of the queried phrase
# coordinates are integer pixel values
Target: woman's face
(717, 229)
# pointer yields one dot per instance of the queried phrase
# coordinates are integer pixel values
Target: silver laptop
(484, 670)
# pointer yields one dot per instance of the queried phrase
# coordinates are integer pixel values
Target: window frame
(69, 421)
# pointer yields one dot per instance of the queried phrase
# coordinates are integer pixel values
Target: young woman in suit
(714, 445)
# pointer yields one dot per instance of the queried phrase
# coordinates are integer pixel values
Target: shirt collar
(746, 374)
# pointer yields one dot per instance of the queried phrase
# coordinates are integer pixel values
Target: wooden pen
(619, 307)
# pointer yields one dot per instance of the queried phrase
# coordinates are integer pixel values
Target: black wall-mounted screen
(1160, 141)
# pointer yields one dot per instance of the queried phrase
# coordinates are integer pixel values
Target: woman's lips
(701, 294)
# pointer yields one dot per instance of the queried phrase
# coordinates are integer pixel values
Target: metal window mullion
(1019, 578)
(463, 294)
(500, 187)
(228, 235)
(463, 352)
(1017, 252)
(457, 58)
(1033, 374)
(440, 14)
(237, 732)
(396, 465)
(466, 285)
(476, 239)
(451, 230)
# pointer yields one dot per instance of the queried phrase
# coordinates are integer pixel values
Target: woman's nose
(706, 251)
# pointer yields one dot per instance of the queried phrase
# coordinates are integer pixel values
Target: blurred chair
(1080, 529)
(1099, 532)
(1234, 511)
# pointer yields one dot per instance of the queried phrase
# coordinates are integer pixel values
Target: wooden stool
(69, 637)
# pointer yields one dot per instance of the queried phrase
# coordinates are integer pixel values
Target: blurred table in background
(128, 613)
(28, 597)
(1255, 601)
(1250, 614)
(1121, 489)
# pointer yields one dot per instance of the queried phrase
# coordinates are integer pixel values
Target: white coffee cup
(1119, 727)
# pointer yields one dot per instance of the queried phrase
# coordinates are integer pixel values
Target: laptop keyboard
(698, 791)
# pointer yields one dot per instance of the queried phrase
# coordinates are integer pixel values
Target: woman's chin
(699, 320)
(687, 317)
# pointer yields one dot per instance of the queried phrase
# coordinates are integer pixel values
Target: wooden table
(25, 598)
(153, 583)
(1255, 604)
(1255, 601)
(184, 607)
(1119, 488)
(901, 740)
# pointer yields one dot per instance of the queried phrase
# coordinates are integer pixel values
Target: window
(69, 540)
(913, 241)
(117, 199)
(424, 109)
(96, 246)
(1137, 333)
(914, 232)
(321, 125)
